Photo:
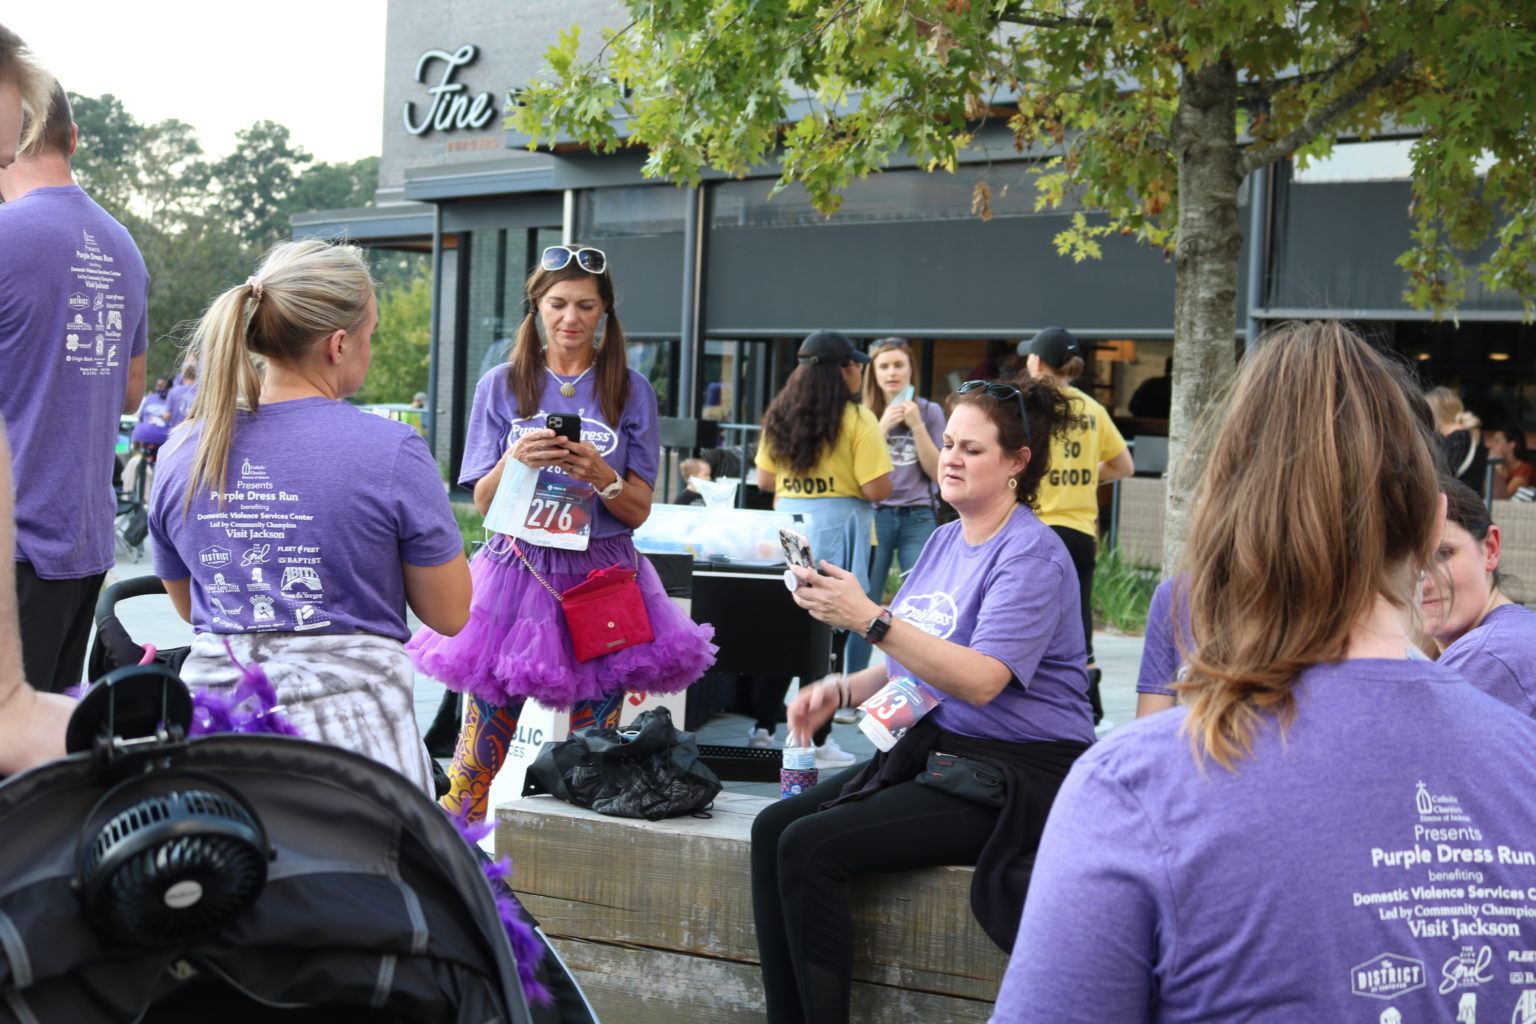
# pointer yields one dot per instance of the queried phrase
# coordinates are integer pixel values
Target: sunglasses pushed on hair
(1002, 392)
(558, 257)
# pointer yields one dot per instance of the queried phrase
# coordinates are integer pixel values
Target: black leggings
(800, 859)
(1084, 549)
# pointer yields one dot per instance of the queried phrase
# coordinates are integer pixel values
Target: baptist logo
(934, 614)
(1386, 976)
(213, 557)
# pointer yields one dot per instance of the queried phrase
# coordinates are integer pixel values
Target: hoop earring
(1013, 483)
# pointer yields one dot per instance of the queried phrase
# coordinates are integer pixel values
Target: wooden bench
(655, 919)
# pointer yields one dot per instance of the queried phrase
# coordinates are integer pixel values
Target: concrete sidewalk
(153, 620)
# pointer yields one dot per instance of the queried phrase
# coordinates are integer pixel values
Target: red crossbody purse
(603, 613)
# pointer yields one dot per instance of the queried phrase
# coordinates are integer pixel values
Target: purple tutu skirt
(516, 644)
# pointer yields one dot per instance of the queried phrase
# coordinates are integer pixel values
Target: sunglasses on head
(558, 257)
(1002, 392)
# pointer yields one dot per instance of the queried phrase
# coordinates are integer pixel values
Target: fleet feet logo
(1386, 976)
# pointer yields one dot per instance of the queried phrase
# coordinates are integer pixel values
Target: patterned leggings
(483, 742)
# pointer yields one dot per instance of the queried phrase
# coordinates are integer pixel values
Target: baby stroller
(237, 877)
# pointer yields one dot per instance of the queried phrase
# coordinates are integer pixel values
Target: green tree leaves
(202, 226)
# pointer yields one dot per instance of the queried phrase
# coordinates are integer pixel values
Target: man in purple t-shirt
(73, 324)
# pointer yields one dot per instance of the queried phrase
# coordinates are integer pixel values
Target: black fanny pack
(975, 781)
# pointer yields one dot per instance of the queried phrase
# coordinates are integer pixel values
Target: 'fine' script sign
(452, 107)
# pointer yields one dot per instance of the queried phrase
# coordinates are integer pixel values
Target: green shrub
(1122, 592)
(471, 523)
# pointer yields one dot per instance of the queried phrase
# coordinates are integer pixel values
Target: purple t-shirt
(179, 401)
(1160, 658)
(1499, 657)
(909, 484)
(1377, 854)
(634, 447)
(154, 420)
(323, 503)
(1014, 597)
(74, 301)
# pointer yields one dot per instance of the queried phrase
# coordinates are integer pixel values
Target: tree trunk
(1205, 282)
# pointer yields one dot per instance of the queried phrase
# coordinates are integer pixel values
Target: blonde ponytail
(303, 291)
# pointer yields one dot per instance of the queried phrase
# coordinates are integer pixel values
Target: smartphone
(906, 394)
(565, 424)
(797, 548)
(797, 551)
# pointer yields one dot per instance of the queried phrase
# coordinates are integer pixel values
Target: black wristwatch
(878, 626)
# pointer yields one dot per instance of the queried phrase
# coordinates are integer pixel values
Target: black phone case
(559, 422)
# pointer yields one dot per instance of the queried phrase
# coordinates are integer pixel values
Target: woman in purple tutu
(568, 358)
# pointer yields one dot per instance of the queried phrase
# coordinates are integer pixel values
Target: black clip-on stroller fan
(167, 855)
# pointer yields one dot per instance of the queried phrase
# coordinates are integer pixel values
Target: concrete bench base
(655, 919)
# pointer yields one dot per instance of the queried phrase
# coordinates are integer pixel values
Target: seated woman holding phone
(986, 629)
(566, 405)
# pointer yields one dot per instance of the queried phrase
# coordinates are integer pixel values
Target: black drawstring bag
(648, 770)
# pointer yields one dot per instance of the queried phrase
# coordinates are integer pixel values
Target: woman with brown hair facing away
(568, 359)
(1328, 820)
(291, 528)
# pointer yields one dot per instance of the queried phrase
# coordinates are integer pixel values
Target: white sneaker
(846, 716)
(830, 753)
(761, 739)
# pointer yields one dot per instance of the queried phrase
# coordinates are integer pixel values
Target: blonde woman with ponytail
(1329, 824)
(291, 528)
(1462, 450)
(568, 358)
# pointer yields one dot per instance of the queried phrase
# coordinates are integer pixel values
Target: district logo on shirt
(934, 614)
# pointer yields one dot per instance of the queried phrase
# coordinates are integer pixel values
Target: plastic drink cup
(798, 772)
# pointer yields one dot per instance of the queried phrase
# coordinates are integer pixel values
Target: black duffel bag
(648, 770)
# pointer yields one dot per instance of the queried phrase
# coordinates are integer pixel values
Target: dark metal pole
(1258, 254)
(690, 337)
(435, 335)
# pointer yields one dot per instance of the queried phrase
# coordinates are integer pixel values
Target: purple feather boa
(526, 946)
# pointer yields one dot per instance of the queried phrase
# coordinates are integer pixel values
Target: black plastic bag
(649, 770)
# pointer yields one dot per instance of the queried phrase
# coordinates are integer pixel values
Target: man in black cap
(1091, 453)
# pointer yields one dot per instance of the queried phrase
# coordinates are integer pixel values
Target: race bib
(889, 714)
(559, 513)
(541, 507)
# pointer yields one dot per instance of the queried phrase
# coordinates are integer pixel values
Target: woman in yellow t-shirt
(824, 455)
(1090, 453)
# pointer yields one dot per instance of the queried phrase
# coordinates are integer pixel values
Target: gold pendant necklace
(568, 387)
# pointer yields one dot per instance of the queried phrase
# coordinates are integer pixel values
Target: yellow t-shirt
(1069, 494)
(859, 456)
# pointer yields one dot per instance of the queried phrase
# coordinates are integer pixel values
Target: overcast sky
(316, 66)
